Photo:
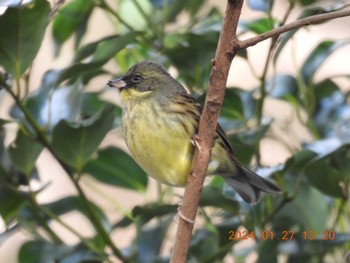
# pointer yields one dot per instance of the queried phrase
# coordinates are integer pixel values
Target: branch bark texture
(228, 46)
(207, 125)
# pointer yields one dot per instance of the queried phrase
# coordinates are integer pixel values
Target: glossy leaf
(5, 162)
(191, 54)
(74, 203)
(70, 18)
(329, 102)
(309, 207)
(242, 150)
(44, 252)
(144, 214)
(232, 106)
(89, 49)
(75, 143)
(261, 5)
(41, 252)
(329, 172)
(24, 31)
(92, 103)
(214, 196)
(151, 239)
(10, 204)
(176, 7)
(268, 245)
(282, 86)
(50, 105)
(104, 50)
(113, 166)
(24, 152)
(205, 245)
(259, 26)
(306, 2)
(316, 58)
(253, 136)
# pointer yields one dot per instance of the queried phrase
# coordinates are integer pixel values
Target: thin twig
(293, 25)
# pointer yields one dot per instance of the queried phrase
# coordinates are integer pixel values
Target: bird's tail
(249, 185)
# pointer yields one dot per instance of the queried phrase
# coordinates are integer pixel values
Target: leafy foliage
(308, 222)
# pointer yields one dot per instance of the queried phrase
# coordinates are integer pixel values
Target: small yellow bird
(159, 120)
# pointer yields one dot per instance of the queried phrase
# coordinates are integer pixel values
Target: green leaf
(309, 207)
(191, 54)
(24, 152)
(329, 172)
(316, 58)
(173, 8)
(144, 214)
(330, 104)
(41, 252)
(254, 135)
(232, 106)
(259, 26)
(204, 245)
(75, 143)
(113, 166)
(261, 5)
(75, 203)
(306, 2)
(24, 29)
(214, 196)
(243, 151)
(327, 239)
(49, 105)
(89, 49)
(294, 165)
(92, 103)
(151, 239)
(44, 252)
(70, 18)
(103, 50)
(271, 247)
(10, 204)
(282, 86)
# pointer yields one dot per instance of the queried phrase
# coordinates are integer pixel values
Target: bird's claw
(195, 140)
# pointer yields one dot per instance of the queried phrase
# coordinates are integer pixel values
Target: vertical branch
(226, 49)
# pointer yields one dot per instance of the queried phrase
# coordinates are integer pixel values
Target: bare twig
(293, 25)
(55, 8)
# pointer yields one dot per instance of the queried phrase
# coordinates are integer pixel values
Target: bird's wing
(222, 135)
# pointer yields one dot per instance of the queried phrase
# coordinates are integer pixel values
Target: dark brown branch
(293, 25)
(218, 78)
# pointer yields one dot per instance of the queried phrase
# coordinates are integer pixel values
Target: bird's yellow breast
(158, 141)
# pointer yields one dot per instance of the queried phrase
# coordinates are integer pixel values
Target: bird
(159, 121)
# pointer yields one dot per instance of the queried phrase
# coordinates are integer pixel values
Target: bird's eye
(136, 78)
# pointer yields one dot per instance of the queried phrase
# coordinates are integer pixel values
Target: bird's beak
(117, 83)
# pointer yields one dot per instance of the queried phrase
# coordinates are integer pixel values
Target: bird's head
(146, 78)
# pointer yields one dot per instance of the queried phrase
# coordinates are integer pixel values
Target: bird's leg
(195, 141)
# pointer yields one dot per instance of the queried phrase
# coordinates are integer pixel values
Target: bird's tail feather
(249, 185)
